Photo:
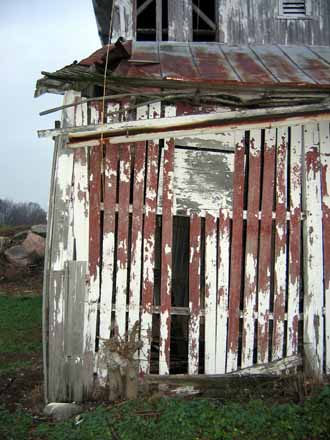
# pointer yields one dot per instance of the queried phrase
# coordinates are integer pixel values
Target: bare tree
(20, 213)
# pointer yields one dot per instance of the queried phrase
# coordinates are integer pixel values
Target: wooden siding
(244, 255)
(237, 22)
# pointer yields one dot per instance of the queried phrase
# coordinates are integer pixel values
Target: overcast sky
(35, 35)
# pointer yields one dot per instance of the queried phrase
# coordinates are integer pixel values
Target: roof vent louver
(295, 8)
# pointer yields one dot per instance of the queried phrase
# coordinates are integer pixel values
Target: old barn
(189, 215)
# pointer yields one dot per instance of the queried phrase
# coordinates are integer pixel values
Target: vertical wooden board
(325, 173)
(94, 246)
(81, 203)
(265, 245)
(294, 272)
(78, 374)
(57, 303)
(148, 254)
(223, 290)
(251, 250)
(194, 293)
(62, 242)
(108, 263)
(236, 254)
(313, 253)
(109, 229)
(136, 246)
(122, 238)
(180, 21)
(280, 245)
(166, 264)
(210, 292)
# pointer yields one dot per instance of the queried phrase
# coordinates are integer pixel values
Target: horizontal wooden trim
(132, 131)
(202, 213)
(184, 311)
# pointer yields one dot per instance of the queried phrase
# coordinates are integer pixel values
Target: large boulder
(17, 255)
(34, 244)
(40, 230)
(30, 251)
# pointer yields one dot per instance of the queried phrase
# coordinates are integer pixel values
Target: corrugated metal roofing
(213, 62)
(151, 64)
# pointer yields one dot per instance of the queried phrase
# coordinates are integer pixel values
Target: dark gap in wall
(179, 345)
(97, 335)
(262, 152)
(114, 280)
(285, 338)
(201, 368)
(270, 339)
(255, 342)
(288, 174)
(202, 30)
(165, 20)
(240, 343)
(154, 358)
(180, 262)
(241, 304)
(129, 251)
(146, 22)
(158, 260)
(272, 267)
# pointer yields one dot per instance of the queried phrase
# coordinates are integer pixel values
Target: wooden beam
(204, 17)
(184, 125)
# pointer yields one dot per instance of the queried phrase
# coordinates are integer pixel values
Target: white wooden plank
(210, 292)
(223, 291)
(280, 244)
(294, 272)
(313, 254)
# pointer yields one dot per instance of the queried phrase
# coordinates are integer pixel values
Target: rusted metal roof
(148, 64)
(213, 62)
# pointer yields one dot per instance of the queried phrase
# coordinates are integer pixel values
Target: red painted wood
(194, 293)
(280, 250)
(251, 250)
(265, 248)
(166, 265)
(94, 211)
(122, 237)
(110, 188)
(137, 220)
(236, 257)
(149, 253)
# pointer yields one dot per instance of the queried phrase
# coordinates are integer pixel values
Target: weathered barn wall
(113, 218)
(235, 22)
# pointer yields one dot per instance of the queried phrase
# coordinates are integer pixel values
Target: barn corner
(189, 228)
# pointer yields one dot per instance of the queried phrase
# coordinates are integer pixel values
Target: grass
(170, 419)
(153, 418)
(20, 327)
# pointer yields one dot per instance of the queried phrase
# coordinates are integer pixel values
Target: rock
(40, 230)
(29, 252)
(17, 255)
(4, 242)
(20, 236)
(62, 411)
(34, 244)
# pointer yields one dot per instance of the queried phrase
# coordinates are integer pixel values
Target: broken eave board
(189, 125)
